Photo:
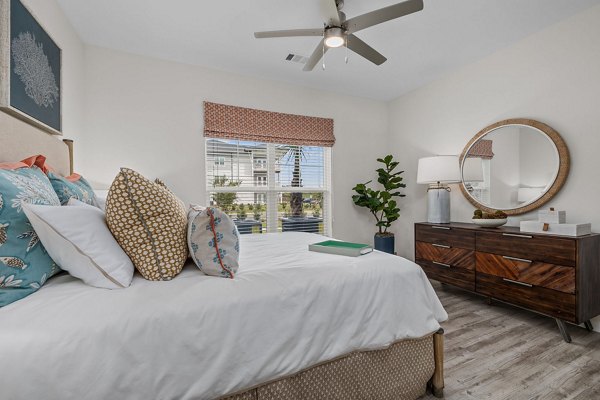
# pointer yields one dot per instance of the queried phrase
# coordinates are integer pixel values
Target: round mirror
(515, 166)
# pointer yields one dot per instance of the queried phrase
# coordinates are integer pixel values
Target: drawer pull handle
(517, 282)
(441, 227)
(440, 245)
(518, 259)
(517, 235)
(441, 264)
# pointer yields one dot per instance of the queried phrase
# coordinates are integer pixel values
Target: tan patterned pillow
(150, 224)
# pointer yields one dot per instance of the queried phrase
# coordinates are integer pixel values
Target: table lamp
(438, 172)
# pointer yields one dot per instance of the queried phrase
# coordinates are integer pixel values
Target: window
(260, 163)
(260, 180)
(268, 187)
(219, 160)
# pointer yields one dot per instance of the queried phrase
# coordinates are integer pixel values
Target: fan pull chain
(346, 58)
(323, 56)
(323, 48)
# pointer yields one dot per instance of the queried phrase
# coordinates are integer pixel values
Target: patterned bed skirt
(399, 372)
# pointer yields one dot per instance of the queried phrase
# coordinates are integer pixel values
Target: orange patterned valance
(230, 122)
(482, 149)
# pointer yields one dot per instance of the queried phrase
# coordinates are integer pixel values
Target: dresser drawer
(459, 277)
(545, 249)
(546, 301)
(452, 256)
(445, 235)
(535, 273)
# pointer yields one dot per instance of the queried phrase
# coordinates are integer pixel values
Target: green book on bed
(341, 248)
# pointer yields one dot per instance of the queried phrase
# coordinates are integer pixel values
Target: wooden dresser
(557, 276)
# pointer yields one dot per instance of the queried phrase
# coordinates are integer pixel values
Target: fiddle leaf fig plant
(381, 202)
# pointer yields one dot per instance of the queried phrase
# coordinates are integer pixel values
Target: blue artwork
(35, 65)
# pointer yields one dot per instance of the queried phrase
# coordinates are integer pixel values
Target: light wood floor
(501, 352)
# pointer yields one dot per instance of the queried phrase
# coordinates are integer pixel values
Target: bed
(292, 325)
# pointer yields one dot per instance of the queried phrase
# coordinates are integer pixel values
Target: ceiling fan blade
(382, 15)
(364, 50)
(315, 57)
(289, 33)
(331, 15)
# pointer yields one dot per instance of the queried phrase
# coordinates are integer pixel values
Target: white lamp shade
(443, 169)
(472, 170)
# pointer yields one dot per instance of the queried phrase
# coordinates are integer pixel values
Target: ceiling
(219, 34)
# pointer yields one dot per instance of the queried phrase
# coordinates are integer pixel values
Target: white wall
(504, 166)
(536, 171)
(147, 114)
(50, 16)
(552, 76)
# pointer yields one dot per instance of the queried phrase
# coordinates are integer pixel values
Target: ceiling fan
(338, 31)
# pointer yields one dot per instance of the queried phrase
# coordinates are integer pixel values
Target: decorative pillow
(150, 224)
(79, 241)
(72, 187)
(214, 241)
(101, 198)
(24, 263)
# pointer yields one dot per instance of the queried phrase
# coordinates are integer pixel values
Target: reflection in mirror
(510, 167)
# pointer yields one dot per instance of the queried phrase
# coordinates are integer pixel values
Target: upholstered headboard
(19, 140)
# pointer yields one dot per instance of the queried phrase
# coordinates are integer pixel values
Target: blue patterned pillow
(73, 186)
(214, 241)
(24, 263)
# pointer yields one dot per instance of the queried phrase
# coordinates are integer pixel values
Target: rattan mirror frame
(564, 164)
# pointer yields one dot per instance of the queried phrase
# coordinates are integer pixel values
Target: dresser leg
(489, 301)
(588, 325)
(562, 327)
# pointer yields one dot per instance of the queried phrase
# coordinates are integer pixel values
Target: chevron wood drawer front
(546, 301)
(547, 249)
(445, 235)
(459, 277)
(531, 272)
(447, 255)
(558, 276)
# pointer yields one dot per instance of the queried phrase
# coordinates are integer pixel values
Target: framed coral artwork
(30, 69)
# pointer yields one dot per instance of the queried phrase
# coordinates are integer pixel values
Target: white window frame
(272, 190)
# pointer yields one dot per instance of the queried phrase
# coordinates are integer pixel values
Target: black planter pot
(247, 226)
(301, 224)
(384, 243)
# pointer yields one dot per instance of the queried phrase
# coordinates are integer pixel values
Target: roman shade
(230, 122)
(482, 149)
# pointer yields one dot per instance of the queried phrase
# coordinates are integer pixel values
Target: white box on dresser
(552, 216)
(556, 229)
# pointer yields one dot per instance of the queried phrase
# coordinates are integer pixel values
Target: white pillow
(101, 198)
(214, 241)
(79, 241)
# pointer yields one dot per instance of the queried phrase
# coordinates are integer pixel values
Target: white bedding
(200, 337)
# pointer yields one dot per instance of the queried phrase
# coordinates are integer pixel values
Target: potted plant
(381, 203)
(317, 211)
(257, 211)
(242, 212)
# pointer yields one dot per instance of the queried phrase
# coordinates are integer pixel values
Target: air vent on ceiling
(296, 58)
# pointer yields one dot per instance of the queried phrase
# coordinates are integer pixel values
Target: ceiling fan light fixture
(334, 37)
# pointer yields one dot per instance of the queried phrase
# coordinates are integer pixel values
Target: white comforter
(200, 337)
